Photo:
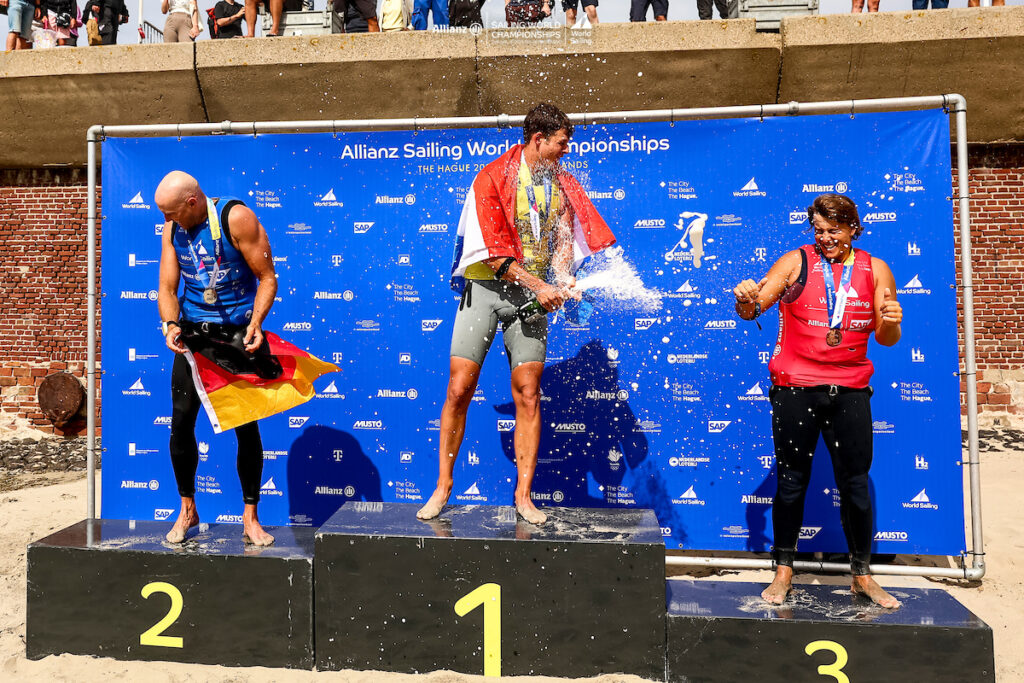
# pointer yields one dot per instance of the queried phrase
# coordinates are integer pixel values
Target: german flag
(234, 396)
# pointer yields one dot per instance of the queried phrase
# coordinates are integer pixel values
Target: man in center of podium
(525, 225)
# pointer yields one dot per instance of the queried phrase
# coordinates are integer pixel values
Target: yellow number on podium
(152, 636)
(488, 595)
(835, 669)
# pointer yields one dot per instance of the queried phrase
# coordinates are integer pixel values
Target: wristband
(500, 273)
(166, 325)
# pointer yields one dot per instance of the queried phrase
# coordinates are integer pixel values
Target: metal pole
(970, 364)
(823, 567)
(90, 365)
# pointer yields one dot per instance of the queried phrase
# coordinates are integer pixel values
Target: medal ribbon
(835, 301)
(536, 215)
(207, 281)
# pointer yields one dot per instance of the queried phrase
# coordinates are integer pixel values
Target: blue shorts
(574, 4)
(19, 18)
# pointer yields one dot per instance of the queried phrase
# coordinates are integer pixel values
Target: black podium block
(477, 591)
(115, 588)
(723, 631)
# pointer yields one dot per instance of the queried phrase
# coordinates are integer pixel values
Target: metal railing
(148, 33)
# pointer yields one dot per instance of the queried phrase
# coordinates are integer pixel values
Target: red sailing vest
(802, 358)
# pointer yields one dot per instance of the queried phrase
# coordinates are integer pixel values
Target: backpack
(211, 22)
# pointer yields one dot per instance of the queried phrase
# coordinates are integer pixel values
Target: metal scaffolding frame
(954, 103)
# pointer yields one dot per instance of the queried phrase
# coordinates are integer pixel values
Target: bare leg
(660, 17)
(276, 8)
(250, 18)
(779, 588)
(570, 17)
(873, 5)
(252, 530)
(869, 588)
(857, 6)
(591, 14)
(12, 41)
(462, 378)
(188, 518)
(526, 394)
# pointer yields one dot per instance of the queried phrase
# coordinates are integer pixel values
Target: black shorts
(638, 9)
(367, 9)
(574, 4)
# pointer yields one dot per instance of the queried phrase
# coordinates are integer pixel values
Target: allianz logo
(554, 496)
(368, 424)
(615, 194)
(595, 395)
(332, 491)
(136, 202)
(297, 327)
(756, 500)
(139, 296)
(408, 199)
(411, 394)
(151, 485)
(228, 519)
(720, 325)
(841, 187)
(648, 223)
(570, 428)
(434, 227)
(880, 217)
(892, 536)
(333, 296)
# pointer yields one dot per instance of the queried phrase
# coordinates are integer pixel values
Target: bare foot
(869, 588)
(528, 511)
(253, 532)
(778, 589)
(435, 505)
(188, 518)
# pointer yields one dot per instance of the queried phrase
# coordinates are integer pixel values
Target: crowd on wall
(52, 23)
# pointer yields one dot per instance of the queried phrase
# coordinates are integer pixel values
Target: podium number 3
(153, 635)
(488, 595)
(835, 669)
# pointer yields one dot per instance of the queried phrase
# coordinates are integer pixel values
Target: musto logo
(375, 425)
(892, 536)
(297, 327)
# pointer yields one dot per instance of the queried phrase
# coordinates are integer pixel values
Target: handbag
(524, 13)
(92, 29)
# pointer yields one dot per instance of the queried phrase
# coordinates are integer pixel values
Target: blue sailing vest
(235, 283)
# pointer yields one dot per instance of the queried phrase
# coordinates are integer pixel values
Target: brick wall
(43, 271)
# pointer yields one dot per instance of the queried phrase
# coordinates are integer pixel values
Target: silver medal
(210, 295)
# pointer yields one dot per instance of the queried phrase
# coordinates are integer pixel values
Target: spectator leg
(638, 10)
(857, 6)
(12, 41)
(419, 14)
(704, 9)
(873, 5)
(439, 8)
(250, 17)
(723, 8)
(570, 17)
(591, 14)
(276, 9)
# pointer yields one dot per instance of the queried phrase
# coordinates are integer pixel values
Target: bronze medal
(834, 337)
(210, 296)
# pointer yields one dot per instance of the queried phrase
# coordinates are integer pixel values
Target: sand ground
(33, 506)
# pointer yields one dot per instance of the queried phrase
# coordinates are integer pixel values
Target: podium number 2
(153, 635)
(835, 669)
(488, 595)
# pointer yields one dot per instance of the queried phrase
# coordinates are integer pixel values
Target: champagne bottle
(531, 311)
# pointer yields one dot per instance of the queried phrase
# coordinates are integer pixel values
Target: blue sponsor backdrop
(666, 410)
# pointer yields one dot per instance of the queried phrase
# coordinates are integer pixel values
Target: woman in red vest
(831, 298)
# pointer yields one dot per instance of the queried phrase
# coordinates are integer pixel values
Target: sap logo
(718, 426)
(916, 355)
(159, 230)
(405, 456)
(913, 249)
(430, 325)
(892, 536)
(297, 327)
(204, 448)
(336, 357)
(643, 323)
(163, 420)
(405, 358)
(362, 227)
(404, 260)
(434, 227)
(336, 259)
(750, 190)
(648, 223)
(329, 200)
(160, 514)
(720, 325)
(920, 463)
(136, 202)
(472, 458)
(228, 519)
(136, 389)
(809, 532)
(880, 217)
(797, 217)
(506, 425)
(295, 422)
(376, 425)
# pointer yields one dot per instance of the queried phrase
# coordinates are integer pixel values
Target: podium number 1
(835, 669)
(153, 635)
(488, 595)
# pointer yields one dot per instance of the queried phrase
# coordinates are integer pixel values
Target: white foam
(613, 278)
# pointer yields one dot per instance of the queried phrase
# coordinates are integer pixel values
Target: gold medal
(834, 337)
(210, 296)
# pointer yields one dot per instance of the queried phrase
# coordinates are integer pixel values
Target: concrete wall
(49, 98)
